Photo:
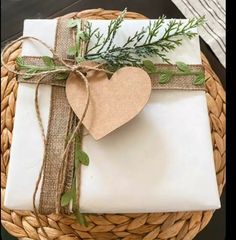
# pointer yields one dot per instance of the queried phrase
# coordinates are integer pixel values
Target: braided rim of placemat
(166, 226)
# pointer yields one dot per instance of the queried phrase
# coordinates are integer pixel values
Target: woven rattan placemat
(165, 226)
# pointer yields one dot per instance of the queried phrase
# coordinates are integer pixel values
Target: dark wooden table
(15, 11)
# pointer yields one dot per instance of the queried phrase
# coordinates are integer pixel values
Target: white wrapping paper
(160, 161)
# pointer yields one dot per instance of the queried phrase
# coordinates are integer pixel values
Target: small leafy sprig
(71, 195)
(142, 44)
(167, 75)
(75, 51)
(48, 65)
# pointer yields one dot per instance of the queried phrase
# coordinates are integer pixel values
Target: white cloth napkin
(160, 161)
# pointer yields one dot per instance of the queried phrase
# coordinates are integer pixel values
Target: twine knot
(74, 68)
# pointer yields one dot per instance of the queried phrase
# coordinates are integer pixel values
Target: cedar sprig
(143, 44)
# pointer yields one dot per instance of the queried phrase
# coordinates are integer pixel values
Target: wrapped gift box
(160, 161)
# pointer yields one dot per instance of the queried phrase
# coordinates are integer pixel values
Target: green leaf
(74, 194)
(66, 198)
(79, 59)
(82, 35)
(20, 61)
(112, 68)
(82, 157)
(165, 77)
(183, 67)
(77, 163)
(199, 80)
(149, 66)
(48, 61)
(86, 36)
(80, 218)
(31, 71)
(62, 76)
(72, 23)
(72, 51)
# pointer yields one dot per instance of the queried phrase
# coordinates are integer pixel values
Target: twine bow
(78, 69)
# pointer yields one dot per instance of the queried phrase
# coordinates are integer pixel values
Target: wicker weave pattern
(165, 226)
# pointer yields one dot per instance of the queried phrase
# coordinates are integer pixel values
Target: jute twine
(171, 226)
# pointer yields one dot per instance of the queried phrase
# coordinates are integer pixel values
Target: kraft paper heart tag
(113, 102)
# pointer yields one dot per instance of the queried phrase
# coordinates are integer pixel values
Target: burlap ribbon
(62, 120)
(61, 123)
